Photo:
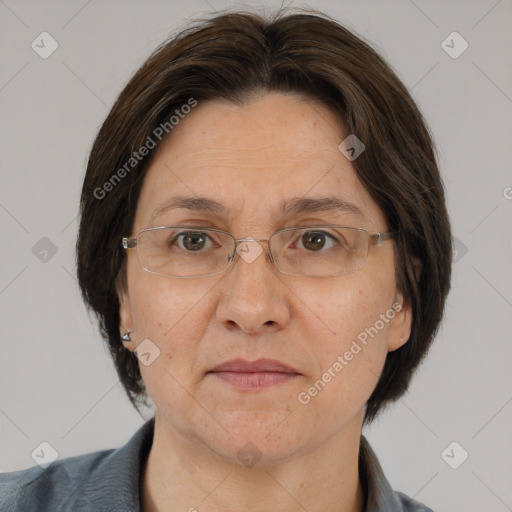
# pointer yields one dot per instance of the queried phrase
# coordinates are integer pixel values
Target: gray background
(57, 383)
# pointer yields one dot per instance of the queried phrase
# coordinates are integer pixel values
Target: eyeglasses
(313, 251)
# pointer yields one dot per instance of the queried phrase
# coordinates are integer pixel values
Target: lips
(258, 366)
(254, 376)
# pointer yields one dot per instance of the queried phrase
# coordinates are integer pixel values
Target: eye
(192, 241)
(315, 241)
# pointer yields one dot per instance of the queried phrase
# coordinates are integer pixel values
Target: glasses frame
(375, 239)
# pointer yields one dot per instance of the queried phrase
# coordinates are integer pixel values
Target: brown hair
(229, 57)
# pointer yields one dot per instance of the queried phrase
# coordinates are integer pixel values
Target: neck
(182, 474)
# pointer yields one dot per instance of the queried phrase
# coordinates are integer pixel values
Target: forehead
(274, 156)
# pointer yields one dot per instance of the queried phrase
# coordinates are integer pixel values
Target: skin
(250, 158)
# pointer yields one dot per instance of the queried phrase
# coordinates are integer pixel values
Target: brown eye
(316, 240)
(192, 241)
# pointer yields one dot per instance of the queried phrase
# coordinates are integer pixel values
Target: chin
(262, 438)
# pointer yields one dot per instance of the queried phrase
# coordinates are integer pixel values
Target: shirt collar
(126, 465)
(115, 485)
(380, 495)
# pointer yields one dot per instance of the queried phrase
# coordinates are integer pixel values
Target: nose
(253, 298)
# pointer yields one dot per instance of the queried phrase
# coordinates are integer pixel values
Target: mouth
(254, 375)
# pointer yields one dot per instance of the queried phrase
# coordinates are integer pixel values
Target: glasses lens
(180, 252)
(320, 251)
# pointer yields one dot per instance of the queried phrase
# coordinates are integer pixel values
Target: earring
(126, 336)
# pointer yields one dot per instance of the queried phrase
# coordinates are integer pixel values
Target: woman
(265, 242)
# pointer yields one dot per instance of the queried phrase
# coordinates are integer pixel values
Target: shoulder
(40, 489)
(98, 481)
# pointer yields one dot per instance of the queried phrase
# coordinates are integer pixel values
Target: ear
(401, 323)
(125, 316)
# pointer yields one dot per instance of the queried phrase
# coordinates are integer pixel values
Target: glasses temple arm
(378, 238)
(129, 243)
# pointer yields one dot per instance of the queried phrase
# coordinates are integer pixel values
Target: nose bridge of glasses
(252, 252)
(250, 239)
(239, 241)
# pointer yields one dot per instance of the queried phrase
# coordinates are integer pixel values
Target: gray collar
(111, 480)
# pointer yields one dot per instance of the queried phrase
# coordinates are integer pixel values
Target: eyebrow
(294, 206)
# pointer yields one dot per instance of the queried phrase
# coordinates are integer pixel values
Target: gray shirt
(109, 481)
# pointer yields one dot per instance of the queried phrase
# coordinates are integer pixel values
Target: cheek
(350, 356)
(167, 312)
(350, 304)
(159, 304)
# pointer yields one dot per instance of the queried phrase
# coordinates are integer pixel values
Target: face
(251, 159)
